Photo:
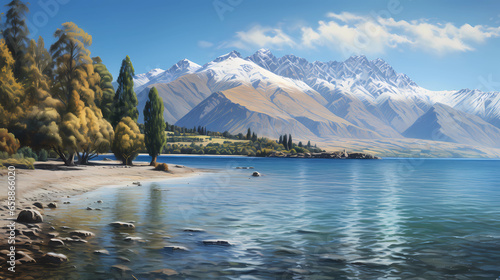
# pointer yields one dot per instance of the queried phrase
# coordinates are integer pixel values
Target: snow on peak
(233, 54)
(184, 66)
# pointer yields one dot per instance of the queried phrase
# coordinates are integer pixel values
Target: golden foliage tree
(128, 141)
(8, 142)
(83, 130)
(11, 92)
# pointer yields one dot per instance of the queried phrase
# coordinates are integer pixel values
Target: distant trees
(154, 125)
(128, 141)
(125, 101)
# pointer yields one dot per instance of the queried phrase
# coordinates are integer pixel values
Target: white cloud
(261, 37)
(205, 44)
(353, 33)
(357, 34)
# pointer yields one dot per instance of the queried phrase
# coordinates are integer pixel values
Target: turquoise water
(303, 219)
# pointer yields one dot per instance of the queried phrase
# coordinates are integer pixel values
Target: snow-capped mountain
(157, 76)
(355, 98)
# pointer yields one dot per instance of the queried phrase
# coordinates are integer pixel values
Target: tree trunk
(153, 161)
(70, 161)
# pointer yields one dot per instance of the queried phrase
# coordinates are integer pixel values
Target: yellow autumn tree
(83, 130)
(8, 142)
(11, 92)
(42, 115)
(128, 141)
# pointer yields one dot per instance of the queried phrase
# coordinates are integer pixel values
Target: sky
(448, 45)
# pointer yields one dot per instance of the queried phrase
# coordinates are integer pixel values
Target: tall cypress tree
(249, 134)
(281, 140)
(285, 141)
(106, 92)
(290, 143)
(16, 35)
(154, 125)
(125, 101)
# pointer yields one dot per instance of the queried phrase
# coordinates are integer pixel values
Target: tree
(8, 142)
(254, 137)
(41, 129)
(285, 142)
(83, 130)
(11, 92)
(125, 101)
(309, 144)
(105, 94)
(300, 144)
(16, 35)
(154, 125)
(249, 134)
(128, 141)
(290, 142)
(281, 140)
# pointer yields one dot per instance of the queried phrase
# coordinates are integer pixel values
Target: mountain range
(356, 99)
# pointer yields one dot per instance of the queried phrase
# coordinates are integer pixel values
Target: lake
(303, 219)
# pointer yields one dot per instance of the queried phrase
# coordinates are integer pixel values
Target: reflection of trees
(153, 216)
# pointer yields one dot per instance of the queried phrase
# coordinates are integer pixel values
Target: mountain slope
(443, 123)
(262, 110)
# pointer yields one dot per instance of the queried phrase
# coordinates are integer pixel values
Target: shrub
(27, 152)
(18, 162)
(161, 167)
(43, 155)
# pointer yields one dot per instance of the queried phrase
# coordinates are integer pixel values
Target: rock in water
(54, 258)
(52, 205)
(82, 233)
(121, 268)
(38, 204)
(164, 272)
(217, 242)
(175, 248)
(56, 242)
(256, 174)
(122, 225)
(29, 216)
(194, 230)
(101, 252)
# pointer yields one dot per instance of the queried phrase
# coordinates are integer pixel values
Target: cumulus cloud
(354, 33)
(357, 34)
(259, 36)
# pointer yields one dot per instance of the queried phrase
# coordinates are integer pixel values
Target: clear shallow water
(304, 219)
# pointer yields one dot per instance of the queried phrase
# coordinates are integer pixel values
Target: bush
(161, 167)
(43, 155)
(27, 152)
(18, 162)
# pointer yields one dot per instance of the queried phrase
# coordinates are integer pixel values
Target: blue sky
(446, 45)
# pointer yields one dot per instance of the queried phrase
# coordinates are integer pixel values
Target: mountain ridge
(366, 95)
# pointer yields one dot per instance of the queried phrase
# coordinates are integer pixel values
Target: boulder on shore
(29, 216)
